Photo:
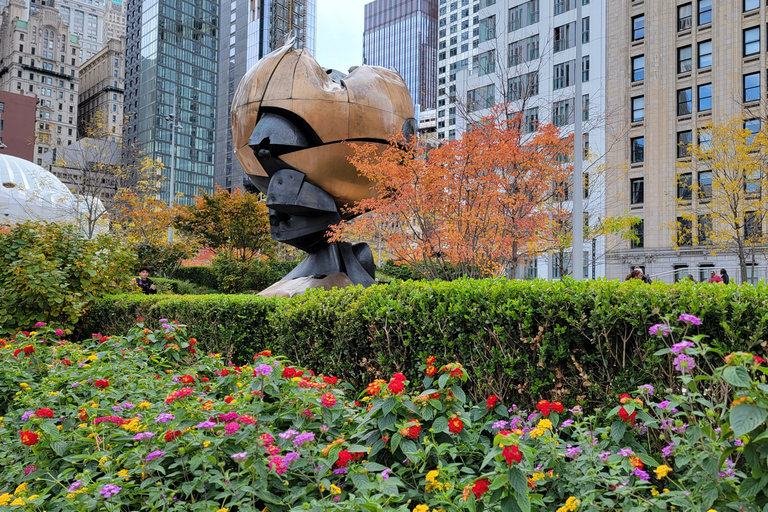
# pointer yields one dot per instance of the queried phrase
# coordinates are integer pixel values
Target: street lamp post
(171, 118)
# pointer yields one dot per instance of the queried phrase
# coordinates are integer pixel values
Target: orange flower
(431, 360)
(431, 371)
(636, 462)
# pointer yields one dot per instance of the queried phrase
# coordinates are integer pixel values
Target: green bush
(231, 275)
(179, 287)
(574, 340)
(400, 271)
(50, 273)
(201, 276)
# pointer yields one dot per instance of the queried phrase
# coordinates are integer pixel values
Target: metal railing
(702, 274)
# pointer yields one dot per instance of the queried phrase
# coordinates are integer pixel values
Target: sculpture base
(293, 287)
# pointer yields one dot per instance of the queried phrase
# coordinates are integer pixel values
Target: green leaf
(520, 485)
(440, 424)
(647, 459)
(749, 488)
(49, 428)
(737, 376)
(459, 393)
(499, 482)
(360, 480)
(442, 380)
(617, 431)
(389, 404)
(710, 466)
(745, 418)
(60, 447)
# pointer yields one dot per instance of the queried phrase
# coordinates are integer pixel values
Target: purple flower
(31, 468)
(533, 417)
(499, 425)
(683, 363)
(143, 435)
(75, 486)
(231, 427)
(655, 329)
(576, 410)
(663, 405)
(164, 417)
(642, 475)
(117, 408)
(324, 428)
(572, 451)
(288, 434)
(689, 319)
(290, 457)
(109, 490)
(625, 452)
(567, 423)
(240, 456)
(40, 324)
(681, 428)
(127, 405)
(385, 473)
(666, 424)
(738, 442)
(678, 348)
(604, 456)
(75, 384)
(176, 379)
(206, 424)
(154, 455)
(668, 450)
(263, 369)
(304, 438)
(515, 422)
(27, 415)
(340, 471)
(646, 389)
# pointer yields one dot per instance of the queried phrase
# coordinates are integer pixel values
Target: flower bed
(145, 421)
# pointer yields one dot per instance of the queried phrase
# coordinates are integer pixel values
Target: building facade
(114, 20)
(85, 19)
(171, 67)
(39, 57)
(17, 125)
(101, 90)
(676, 66)
(249, 31)
(402, 34)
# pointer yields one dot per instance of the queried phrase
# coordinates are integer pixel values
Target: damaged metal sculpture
(291, 122)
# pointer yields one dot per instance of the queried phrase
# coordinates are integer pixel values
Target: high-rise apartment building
(249, 31)
(39, 57)
(402, 34)
(171, 69)
(101, 90)
(676, 66)
(531, 56)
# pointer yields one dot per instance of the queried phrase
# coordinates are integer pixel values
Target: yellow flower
(34, 496)
(20, 488)
(145, 405)
(93, 357)
(335, 489)
(223, 510)
(206, 444)
(17, 501)
(421, 508)
(53, 393)
(662, 471)
(82, 425)
(571, 504)
(711, 510)
(122, 473)
(654, 492)
(544, 424)
(239, 384)
(5, 499)
(538, 475)
(71, 495)
(103, 461)
(432, 475)
(24, 385)
(322, 488)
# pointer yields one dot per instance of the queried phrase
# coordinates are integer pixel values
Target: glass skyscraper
(402, 34)
(249, 31)
(172, 60)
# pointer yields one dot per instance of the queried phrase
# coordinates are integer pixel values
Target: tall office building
(38, 57)
(171, 69)
(102, 85)
(114, 20)
(249, 31)
(402, 34)
(85, 19)
(676, 66)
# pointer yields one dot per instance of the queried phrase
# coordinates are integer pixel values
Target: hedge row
(573, 341)
(233, 276)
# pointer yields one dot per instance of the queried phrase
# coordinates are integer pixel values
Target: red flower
(44, 413)
(457, 373)
(103, 339)
(328, 400)
(491, 402)
(82, 415)
(431, 360)
(29, 438)
(66, 362)
(171, 435)
(628, 418)
(557, 407)
(29, 349)
(139, 320)
(398, 376)
(187, 379)
(625, 398)
(204, 379)
(344, 458)
(455, 426)
(544, 407)
(224, 372)
(16, 352)
(289, 372)
(192, 350)
(411, 430)
(228, 400)
(481, 487)
(636, 462)
(758, 360)
(192, 341)
(431, 371)
(331, 380)
(512, 454)
(101, 383)
(396, 386)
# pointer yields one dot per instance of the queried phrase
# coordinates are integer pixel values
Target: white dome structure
(29, 192)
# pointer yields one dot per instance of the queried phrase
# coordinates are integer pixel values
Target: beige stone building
(102, 86)
(114, 20)
(39, 57)
(675, 65)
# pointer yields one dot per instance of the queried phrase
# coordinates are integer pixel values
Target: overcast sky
(339, 42)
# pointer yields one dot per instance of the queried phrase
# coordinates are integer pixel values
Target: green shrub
(199, 275)
(236, 276)
(50, 273)
(179, 287)
(518, 339)
(400, 271)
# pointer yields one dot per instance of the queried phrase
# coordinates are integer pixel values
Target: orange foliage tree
(470, 207)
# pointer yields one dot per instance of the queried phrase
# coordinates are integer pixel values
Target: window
(524, 86)
(585, 30)
(562, 6)
(751, 41)
(684, 17)
(637, 191)
(638, 68)
(751, 5)
(684, 186)
(684, 102)
(752, 87)
(524, 15)
(753, 125)
(637, 150)
(684, 59)
(752, 179)
(638, 235)
(563, 74)
(684, 139)
(585, 107)
(705, 97)
(565, 36)
(705, 185)
(638, 109)
(753, 229)
(485, 62)
(524, 50)
(585, 69)
(705, 54)
(638, 27)
(704, 231)
(480, 98)
(531, 120)
(562, 112)
(705, 12)
(487, 28)
(684, 231)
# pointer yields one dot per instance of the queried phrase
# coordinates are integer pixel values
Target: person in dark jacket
(724, 276)
(144, 282)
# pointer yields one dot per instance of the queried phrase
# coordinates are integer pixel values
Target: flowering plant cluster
(133, 423)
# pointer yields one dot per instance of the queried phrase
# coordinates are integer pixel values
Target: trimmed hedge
(233, 276)
(203, 276)
(574, 341)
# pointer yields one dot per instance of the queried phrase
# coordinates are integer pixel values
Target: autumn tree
(722, 192)
(237, 222)
(472, 205)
